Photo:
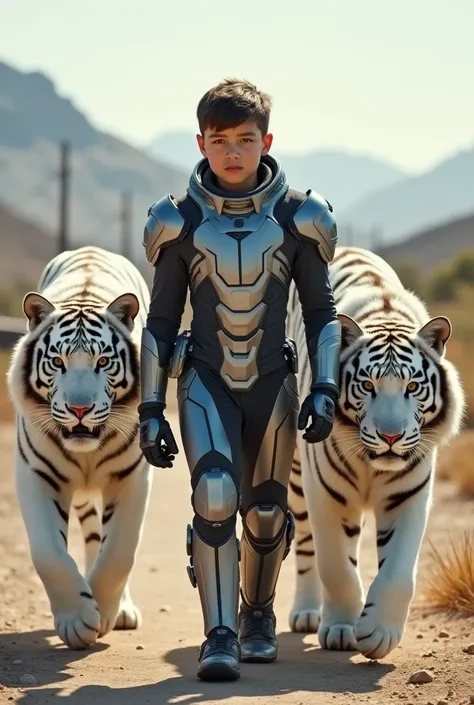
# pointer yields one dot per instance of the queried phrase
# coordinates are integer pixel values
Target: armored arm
(316, 229)
(165, 227)
(315, 225)
(314, 221)
(324, 351)
(155, 358)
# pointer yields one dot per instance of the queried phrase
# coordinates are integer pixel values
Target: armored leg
(211, 542)
(214, 559)
(268, 527)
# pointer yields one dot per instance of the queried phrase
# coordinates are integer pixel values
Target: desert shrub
(441, 285)
(449, 585)
(11, 299)
(463, 268)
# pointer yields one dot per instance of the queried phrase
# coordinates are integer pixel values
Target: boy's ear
(267, 143)
(200, 141)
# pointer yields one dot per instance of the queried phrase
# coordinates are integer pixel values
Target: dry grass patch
(449, 585)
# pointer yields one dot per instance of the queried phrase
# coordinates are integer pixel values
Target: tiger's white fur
(74, 381)
(400, 401)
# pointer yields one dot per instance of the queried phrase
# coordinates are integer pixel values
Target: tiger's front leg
(306, 609)
(45, 509)
(125, 501)
(401, 521)
(336, 526)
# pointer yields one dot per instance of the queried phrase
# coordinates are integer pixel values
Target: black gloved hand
(156, 437)
(320, 406)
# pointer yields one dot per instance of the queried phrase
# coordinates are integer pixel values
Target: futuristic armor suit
(237, 392)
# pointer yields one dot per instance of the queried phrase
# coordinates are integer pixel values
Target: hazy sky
(388, 78)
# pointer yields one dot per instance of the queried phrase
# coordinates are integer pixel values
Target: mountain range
(369, 194)
(34, 119)
(342, 177)
(376, 202)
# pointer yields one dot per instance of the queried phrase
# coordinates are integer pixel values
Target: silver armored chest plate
(240, 255)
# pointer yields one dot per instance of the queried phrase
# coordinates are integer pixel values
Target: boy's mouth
(233, 168)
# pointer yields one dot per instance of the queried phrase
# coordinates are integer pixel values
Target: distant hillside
(431, 248)
(418, 203)
(33, 120)
(375, 203)
(367, 193)
(342, 177)
(29, 248)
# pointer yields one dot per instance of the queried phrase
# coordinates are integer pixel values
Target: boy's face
(234, 154)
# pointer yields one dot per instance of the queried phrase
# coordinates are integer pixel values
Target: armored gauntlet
(156, 437)
(320, 404)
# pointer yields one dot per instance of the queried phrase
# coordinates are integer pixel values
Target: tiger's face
(81, 369)
(393, 389)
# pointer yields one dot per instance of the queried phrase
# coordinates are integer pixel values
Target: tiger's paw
(79, 627)
(337, 637)
(375, 639)
(305, 621)
(129, 616)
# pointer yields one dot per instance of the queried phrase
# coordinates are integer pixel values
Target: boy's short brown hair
(232, 102)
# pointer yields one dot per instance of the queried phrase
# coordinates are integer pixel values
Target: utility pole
(126, 223)
(375, 238)
(64, 182)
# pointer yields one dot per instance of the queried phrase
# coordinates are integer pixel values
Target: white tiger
(74, 381)
(400, 401)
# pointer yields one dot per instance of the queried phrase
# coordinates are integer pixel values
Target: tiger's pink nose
(390, 439)
(80, 411)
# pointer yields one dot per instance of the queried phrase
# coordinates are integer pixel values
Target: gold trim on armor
(239, 368)
(241, 322)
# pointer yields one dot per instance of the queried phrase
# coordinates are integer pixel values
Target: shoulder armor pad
(165, 225)
(314, 220)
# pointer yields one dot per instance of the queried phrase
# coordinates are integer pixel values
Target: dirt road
(157, 664)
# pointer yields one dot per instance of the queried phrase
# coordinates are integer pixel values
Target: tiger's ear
(125, 308)
(36, 308)
(350, 330)
(436, 333)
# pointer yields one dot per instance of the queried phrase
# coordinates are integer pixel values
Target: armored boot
(214, 570)
(266, 542)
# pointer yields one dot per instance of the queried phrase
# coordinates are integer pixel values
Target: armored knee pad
(215, 498)
(215, 501)
(264, 524)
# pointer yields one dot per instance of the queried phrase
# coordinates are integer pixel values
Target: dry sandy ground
(157, 663)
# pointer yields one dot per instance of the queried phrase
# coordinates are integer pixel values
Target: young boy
(237, 239)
